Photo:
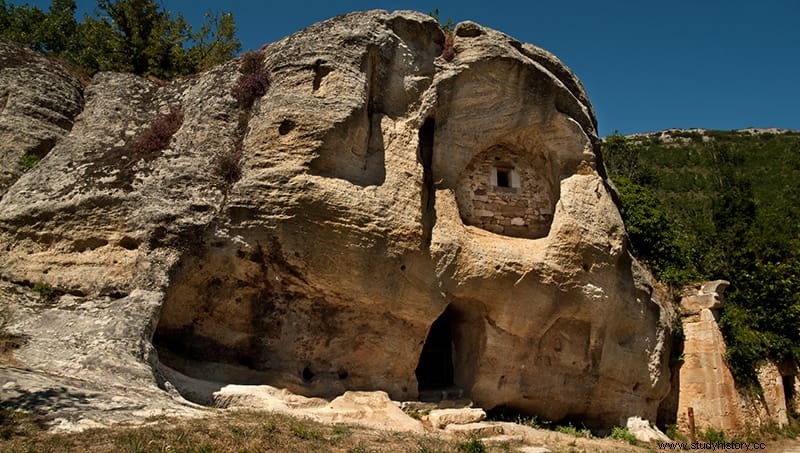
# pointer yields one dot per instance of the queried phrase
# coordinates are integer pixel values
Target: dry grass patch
(235, 431)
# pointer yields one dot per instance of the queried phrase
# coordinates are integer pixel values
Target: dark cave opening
(435, 368)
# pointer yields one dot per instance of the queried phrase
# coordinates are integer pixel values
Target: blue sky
(647, 65)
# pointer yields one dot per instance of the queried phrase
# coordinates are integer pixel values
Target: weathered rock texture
(38, 103)
(772, 384)
(387, 197)
(706, 382)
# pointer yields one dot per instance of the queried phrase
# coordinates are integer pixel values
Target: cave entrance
(435, 369)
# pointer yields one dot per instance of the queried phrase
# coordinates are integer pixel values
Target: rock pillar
(706, 382)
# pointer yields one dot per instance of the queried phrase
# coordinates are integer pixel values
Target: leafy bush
(714, 436)
(28, 161)
(254, 80)
(620, 433)
(653, 235)
(535, 422)
(674, 433)
(569, 429)
(157, 136)
(46, 292)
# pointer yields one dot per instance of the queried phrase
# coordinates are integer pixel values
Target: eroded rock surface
(706, 383)
(39, 99)
(402, 223)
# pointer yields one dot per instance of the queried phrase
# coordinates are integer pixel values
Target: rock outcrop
(39, 100)
(402, 223)
(707, 389)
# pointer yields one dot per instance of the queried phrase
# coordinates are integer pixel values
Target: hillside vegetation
(703, 205)
(136, 36)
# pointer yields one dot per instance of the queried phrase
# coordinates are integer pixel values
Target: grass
(535, 422)
(15, 423)
(569, 429)
(620, 433)
(237, 431)
(769, 432)
(473, 445)
(8, 343)
(674, 433)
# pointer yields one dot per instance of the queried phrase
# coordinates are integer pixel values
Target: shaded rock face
(38, 103)
(402, 223)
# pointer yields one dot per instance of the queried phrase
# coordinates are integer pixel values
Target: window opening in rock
(435, 368)
(503, 177)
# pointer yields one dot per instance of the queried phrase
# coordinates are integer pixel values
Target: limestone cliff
(402, 223)
(38, 100)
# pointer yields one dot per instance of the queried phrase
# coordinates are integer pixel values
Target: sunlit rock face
(402, 223)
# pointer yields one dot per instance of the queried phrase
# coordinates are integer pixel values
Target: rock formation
(402, 223)
(706, 382)
(38, 100)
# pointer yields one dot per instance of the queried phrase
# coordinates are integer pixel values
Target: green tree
(135, 36)
(22, 24)
(652, 233)
(206, 53)
(123, 35)
(59, 28)
(621, 158)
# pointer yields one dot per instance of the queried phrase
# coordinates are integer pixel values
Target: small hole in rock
(286, 126)
(497, 267)
(586, 267)
(402, 267)
(343, 375)
(307, 374)
(129, 243)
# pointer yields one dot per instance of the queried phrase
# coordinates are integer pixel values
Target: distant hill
(705, 204)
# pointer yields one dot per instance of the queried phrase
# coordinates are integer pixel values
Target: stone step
(479, 430)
